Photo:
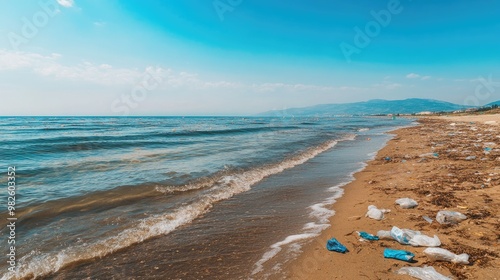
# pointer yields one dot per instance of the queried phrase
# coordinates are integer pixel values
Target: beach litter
(406, 203)
(429, 155)
(367, 236)
(429, 220)
(425, 241)
(423, 273)
(470, 158)
(449, 217)
(398, 255)
(439, 254)
(375, 213)
(403, 236)
(334, 245)
(384, 234)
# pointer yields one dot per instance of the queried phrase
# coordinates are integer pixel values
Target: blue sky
(239, 57)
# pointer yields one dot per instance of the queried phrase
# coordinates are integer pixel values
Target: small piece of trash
(429, 220)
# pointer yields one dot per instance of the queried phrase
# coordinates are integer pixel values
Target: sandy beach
(463, 177)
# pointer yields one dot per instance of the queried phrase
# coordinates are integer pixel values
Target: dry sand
(448, 182)
(485, 119)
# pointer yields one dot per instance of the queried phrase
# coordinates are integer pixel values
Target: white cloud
(222, 84)
(99, 23)
(412, 76)
(66, 3)
(476, 80)
(51, 66)
(417, 76)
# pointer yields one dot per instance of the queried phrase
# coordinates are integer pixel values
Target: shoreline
(273, 259)
(446, 183)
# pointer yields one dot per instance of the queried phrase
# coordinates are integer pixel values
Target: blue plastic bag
(368, 236)
(398, 255)
(334, 245)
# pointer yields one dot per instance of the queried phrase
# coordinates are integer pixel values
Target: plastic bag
(423, 273)
(406, 203)
(367, 236)
(403, 236)
(449, 217)
(429, 220)
(334, 245)
(439, 254)
(424, 240)
(384, 234)
(398, 255)
(429, 155)
(375, 213)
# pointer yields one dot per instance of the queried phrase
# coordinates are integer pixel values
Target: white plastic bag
(425, 241)
(429, 155)
(439, 254)
(406, 203)
(375, 213)
(403, 236)
(449, 217)
(423, 273)
(426, 218)
(384, 234)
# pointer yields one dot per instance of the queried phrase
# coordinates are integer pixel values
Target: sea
(174, 197)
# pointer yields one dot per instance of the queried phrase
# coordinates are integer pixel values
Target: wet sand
(449, 182)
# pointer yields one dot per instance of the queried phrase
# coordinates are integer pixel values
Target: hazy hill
(494, 103)
(371, 107)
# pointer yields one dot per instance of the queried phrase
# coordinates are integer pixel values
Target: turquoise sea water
(91, 187)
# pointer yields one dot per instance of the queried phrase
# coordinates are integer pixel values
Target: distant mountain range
(373, 107)
(494, 103)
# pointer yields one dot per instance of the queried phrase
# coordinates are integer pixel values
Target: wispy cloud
(102, 73)
(66, 3)
(412, 76)
(99, 23)
(53, 67)
(418, 76)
